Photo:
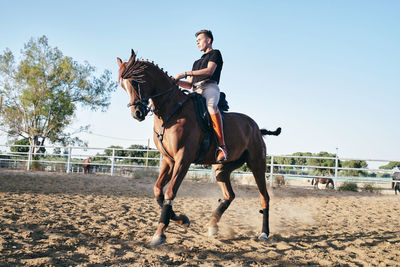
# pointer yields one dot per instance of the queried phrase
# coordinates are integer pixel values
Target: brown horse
(280, 180)
(326, 181)
(87, 167)
(178, 137)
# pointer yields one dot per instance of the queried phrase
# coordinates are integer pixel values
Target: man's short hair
(206, 33)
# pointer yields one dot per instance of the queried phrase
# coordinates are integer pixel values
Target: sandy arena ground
(76, 220)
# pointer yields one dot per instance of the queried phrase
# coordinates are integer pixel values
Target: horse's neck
(166, 104)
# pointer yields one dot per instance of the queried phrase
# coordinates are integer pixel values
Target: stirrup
(221, 149)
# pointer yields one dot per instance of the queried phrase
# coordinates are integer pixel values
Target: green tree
(323, 163)
(285, 161)
(268, 161)
(57, 151)
(301, 161)
(140, 151)
(41, 93)
(391, 165)
(295, 160)
(107, 154)
(244, 168)
(356, 164)
(118, 152)
(21, 146)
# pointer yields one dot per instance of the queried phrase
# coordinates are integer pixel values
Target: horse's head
(142, 81)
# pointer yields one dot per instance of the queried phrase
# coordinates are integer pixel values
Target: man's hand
(180, 76)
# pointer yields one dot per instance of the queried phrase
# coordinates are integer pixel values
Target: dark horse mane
(133, 69)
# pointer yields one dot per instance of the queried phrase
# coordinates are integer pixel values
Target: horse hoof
(183, 220)
(263, 237)
(212, 230)
(158, 240)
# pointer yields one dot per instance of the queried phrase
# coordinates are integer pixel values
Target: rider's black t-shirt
(214, 56)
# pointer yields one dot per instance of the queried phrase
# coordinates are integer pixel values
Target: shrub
(36, 166)
(349, 187)
(369, 188)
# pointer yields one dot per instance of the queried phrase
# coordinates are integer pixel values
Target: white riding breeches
(210, 91)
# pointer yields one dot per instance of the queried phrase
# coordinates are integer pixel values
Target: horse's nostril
(138, 114)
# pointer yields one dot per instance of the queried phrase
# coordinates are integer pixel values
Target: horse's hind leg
(222, 175)
(257, 166)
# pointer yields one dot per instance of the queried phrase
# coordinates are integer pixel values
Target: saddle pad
(204, 120)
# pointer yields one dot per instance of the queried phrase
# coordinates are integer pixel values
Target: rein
(145, 102)
(160, 135)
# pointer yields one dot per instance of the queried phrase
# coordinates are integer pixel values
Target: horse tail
(312, 181)
(266, 132)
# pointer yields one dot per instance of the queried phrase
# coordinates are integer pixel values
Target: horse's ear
(119, 61)
(133, 56)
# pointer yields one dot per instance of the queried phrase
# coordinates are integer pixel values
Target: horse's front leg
(179, 171)
(163, 179)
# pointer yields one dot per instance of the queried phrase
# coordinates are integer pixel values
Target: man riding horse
(204, 79)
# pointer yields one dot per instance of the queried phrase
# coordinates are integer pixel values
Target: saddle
(204, 120)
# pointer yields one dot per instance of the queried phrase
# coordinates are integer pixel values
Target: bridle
(134, 72)
(143, 102)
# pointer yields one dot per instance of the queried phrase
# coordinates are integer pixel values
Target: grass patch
(145, 172)
(197, 177)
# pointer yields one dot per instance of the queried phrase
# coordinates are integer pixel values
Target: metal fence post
(336, 170)
(112, 162)
(28, 165)
(212, 177)
(271, 174)
(147, 153)
(159, 164)
(69, 160)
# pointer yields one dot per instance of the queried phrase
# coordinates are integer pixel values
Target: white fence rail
(121, 161)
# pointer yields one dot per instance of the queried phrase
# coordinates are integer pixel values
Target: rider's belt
(201, 83)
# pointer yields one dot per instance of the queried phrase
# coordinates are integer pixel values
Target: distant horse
(280, 180)
(326, 181)
(178, 136)
(87, 166)
(396, 183)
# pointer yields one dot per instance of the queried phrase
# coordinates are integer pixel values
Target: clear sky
(327, 72)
